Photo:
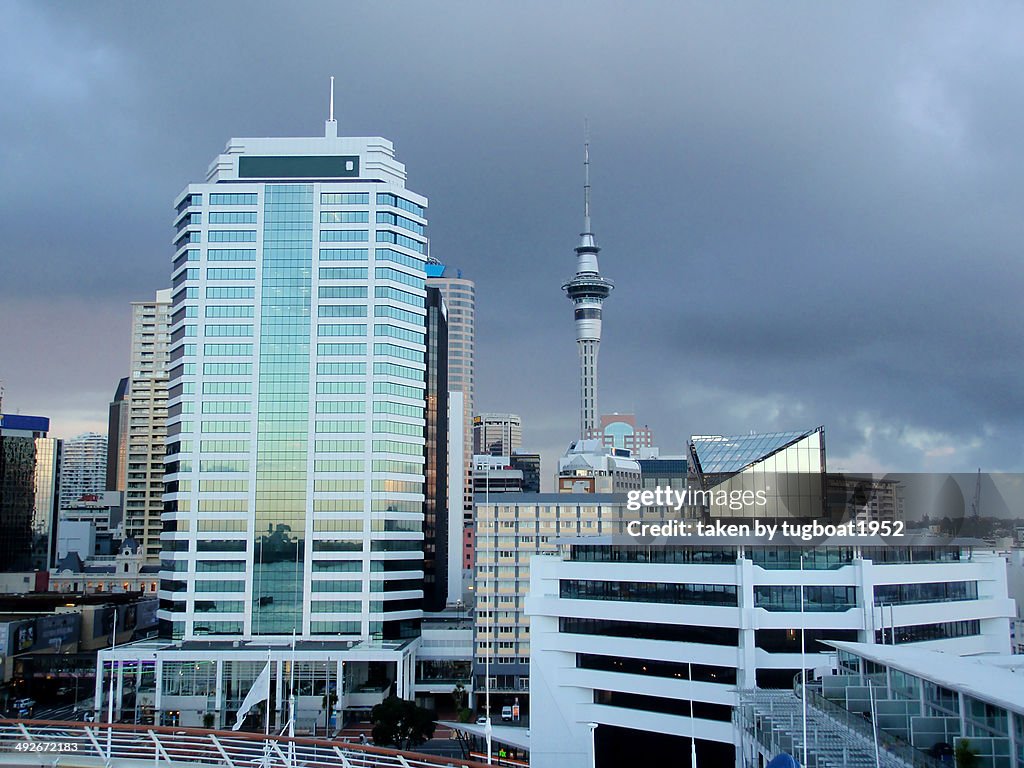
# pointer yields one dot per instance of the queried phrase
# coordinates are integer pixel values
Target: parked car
(506, 713)
(482, 720)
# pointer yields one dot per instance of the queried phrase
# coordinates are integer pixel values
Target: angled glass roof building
(719, 455)
(784, 469)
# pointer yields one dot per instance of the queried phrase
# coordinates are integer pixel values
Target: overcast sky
(811, 211)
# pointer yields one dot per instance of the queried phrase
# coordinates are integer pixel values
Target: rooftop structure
(787, 468)
(620, 430)
(588, 466)
(718, 455)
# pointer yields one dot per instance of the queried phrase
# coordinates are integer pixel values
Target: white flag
(260, 691)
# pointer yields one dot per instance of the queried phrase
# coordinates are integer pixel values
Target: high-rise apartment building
(29, 493)
(460, 298)
(83, 469)
(147, 422)
(510, 529)
(497, 434)
(294, 504)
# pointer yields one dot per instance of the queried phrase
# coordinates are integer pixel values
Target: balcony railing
(39, 741)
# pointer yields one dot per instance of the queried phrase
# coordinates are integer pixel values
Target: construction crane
(976, 501)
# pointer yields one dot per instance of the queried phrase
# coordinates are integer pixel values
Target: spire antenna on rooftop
(586, 175)
(331, 127)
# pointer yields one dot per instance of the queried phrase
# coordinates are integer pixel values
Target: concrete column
(747, 651)
(98, 695)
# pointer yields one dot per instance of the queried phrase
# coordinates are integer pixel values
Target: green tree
(459, 696)
(966, 757)
(401, 723)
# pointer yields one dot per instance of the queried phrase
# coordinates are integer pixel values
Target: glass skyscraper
(294, 484)
(29, 492)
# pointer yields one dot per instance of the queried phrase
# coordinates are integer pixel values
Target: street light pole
(110, 698)
(492, 603)
(803, 658)
(693, 726)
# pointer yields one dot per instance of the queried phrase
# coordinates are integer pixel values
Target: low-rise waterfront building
(643, 638)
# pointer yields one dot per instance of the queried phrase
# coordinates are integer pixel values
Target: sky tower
(587, 290)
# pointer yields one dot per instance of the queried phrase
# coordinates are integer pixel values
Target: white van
(506, 713)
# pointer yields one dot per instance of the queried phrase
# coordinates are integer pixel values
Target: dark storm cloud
(811, 212)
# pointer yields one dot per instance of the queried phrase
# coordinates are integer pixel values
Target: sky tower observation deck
(587, 290)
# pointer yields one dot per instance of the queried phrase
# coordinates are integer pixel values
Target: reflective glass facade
(460, 298)
(29, 463)
(435, 504)
(282, 428)
(296, 425)
(17, 501)
(788, 468)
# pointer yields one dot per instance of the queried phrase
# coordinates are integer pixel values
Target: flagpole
(874, 723)
(291, 706)
(266, 718)
(266, 709)
(693, 727)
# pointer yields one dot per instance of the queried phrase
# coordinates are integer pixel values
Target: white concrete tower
(587, 290)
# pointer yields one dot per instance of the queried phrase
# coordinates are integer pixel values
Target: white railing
(43, 742)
